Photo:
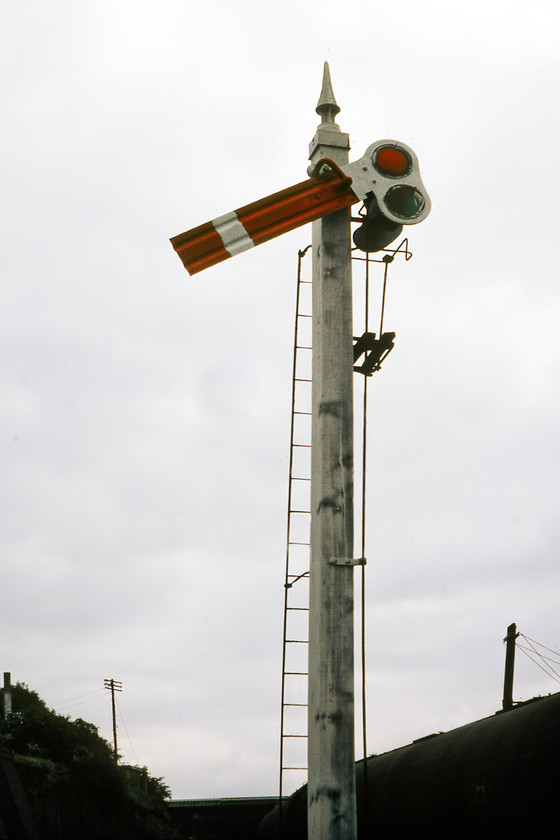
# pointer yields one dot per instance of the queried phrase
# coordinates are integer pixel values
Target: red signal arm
(214, 241)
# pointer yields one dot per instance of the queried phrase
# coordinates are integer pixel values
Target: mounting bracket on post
(344, 561)
(375, 351)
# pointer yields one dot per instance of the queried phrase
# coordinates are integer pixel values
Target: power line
(544, 659)
(77, 697)
(127, 735)
(72, 702)
(540, 644)
(524, 650)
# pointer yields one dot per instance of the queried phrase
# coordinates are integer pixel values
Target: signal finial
(327, 107)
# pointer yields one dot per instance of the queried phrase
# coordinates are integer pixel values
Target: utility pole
(512, 634)
(7, 693)
(332, 780)
(114, 685)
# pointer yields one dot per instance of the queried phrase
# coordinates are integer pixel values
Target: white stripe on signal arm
(233, 234)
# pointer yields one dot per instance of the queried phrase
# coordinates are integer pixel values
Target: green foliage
(148, 792)
(157, 788)
(46, 772)
(33, 730)
(73, 749)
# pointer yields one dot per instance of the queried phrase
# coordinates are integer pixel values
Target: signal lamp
(387, 178)
(404, 201)
(389, 172)
(392, 161)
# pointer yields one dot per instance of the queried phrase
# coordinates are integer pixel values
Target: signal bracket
(344, 561)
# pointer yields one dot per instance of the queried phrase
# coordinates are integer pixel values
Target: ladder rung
(298, 399)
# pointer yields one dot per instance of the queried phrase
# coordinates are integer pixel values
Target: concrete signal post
(388, 178)
(331, 759)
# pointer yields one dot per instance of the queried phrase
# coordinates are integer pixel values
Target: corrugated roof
(235, 800)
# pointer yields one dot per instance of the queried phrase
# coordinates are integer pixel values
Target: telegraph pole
(512, 634)
(7, 693)
(114, 685)
(332, 781)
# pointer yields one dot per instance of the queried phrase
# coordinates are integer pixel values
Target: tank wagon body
(497, 777)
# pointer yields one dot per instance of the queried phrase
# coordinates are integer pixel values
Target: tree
(76, 748)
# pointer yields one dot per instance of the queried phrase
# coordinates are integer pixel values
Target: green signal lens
(404, 201)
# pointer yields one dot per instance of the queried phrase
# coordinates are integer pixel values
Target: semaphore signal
(387, 179)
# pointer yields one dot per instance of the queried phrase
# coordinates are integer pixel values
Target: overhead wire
(73, 702)
(126, 730)
(548, 670)
(540, 644)
(541, 656)
(528, 655)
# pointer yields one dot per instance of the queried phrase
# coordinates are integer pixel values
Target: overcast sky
(145, 414)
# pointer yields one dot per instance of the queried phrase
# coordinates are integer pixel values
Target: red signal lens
(392, 161)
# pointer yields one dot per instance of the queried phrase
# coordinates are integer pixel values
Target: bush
(74, 747)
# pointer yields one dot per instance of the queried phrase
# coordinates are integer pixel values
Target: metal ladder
(293, 716)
